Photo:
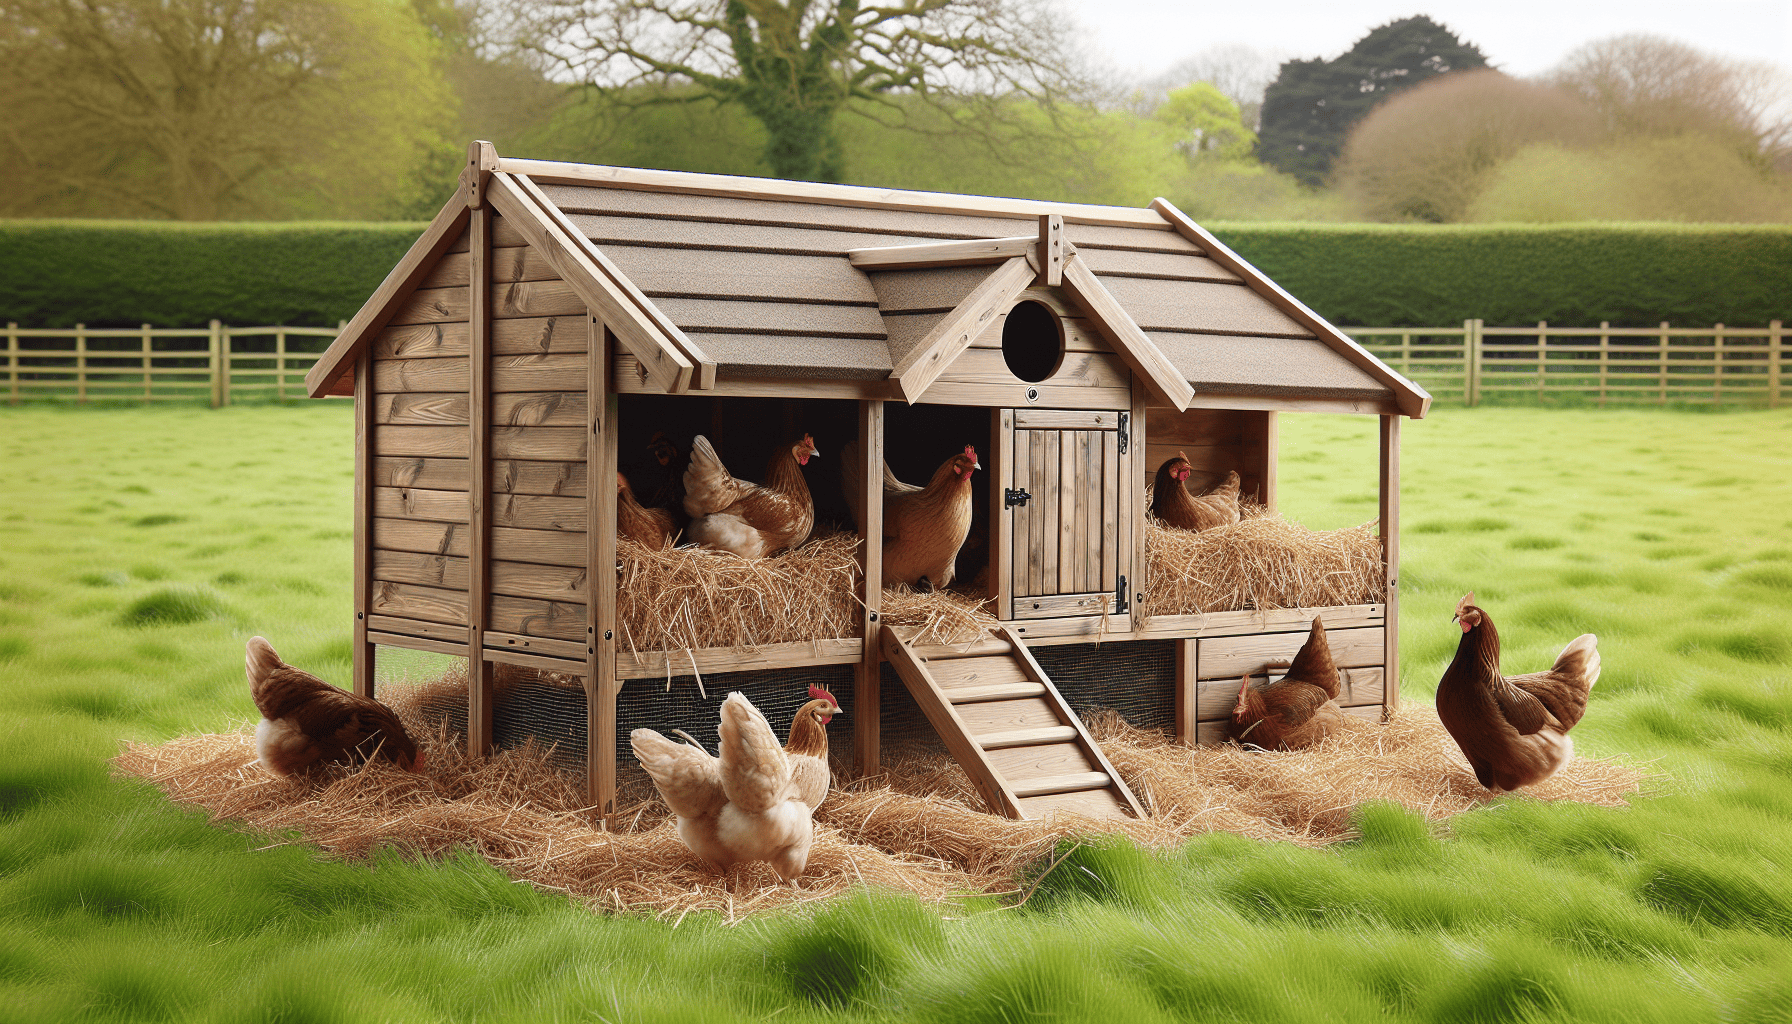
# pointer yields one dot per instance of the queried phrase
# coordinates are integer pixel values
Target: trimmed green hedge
(126, 273)
(1633, 275)
(121, 274)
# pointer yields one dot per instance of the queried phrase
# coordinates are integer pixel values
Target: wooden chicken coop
(553, 315)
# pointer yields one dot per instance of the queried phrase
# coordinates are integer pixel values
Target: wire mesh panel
(1136, 678)
(650, 704)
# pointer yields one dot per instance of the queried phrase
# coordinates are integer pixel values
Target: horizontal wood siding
(521, 336)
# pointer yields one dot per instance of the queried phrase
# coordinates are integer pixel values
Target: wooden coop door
(1067, 497)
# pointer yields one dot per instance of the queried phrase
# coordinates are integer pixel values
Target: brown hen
(924, 527)
(1297, 710)
(741, 516)
(306, 721)
(643, 525)
(1172, 503)
(1513, 729)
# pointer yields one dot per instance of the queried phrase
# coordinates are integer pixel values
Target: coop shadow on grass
(914, 827)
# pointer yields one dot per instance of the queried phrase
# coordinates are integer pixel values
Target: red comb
(970, 451)
(817, 693)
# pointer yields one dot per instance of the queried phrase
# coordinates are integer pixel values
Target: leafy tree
(1687, 177)
(795, 65)
(1206, 123)
(1309, 109)
(1426, 154)
(1240, 72)
(205, 109)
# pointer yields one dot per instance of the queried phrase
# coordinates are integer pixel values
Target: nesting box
(553, 316)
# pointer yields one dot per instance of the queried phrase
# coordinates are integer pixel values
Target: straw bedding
(913, 827)
(1261, 562)
(677, 599)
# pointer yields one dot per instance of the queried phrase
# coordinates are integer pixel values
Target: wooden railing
(222, 364)
(1602, 364)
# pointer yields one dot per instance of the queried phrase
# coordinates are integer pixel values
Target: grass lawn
(139, 548)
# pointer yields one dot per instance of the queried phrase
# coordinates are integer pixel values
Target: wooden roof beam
(666, 364)
(924, 363)
(970, 253)
(739, 187)
(1134, 348)
(705, 367)
(333, 373)
(1413, 400)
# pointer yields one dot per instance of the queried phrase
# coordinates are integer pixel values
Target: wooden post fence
(1605, 353)
(1663, 400)
(1542, 358)
(1775, 348)
(1717, 362)
(220, 367)
(12, 362)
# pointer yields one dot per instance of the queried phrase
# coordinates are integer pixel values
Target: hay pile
(937, 617)
(675, 599)
(913, 827)
(688, 599)
(1261, 562)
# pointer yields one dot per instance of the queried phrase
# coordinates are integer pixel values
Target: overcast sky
(1522, 37)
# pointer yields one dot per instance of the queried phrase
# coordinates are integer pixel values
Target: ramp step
(1024, 737)
(980, 649)
(1060, 784)
(976, 671)
(999, 691)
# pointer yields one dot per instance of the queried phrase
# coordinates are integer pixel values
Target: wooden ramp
(1005, 722)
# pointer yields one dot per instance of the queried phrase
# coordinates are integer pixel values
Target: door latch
(1125, 431)
(1121, 604)
(1012, 497)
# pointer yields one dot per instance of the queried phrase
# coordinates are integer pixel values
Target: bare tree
(200, 109)
(1425, 153)
(794, 65)
(1649, 86)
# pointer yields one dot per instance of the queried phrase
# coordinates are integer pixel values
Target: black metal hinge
(1125, 433)
(1120, 597)
(1012, 497)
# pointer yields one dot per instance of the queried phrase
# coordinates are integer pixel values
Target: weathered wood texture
(1068, 553)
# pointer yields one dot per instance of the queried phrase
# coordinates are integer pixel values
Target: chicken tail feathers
(260, 662)
(1314, 663)
(754, 769)
(1580, 660)
(708, 486)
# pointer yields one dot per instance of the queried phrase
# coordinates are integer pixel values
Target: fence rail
(159, 363)
(1604, 363)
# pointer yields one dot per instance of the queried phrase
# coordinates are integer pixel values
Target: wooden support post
(280, 364)
(1001, 517)
(1663, 400)
(216, 340)
(147, 359)
(12, 361)
(1051, 249)
(1188, 692)
(1717, 364)
(1605, 351)
(363, 651)
(1272, 440)
(480, 672)
(1390, 555)
(1472, 361)
(1542, 358)
(1775, 360)
(1132, 536)
(867, 695)
(601, 685)
(81, 363)
(1406, 353)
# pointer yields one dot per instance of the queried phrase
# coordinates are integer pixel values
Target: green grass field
(138, 549)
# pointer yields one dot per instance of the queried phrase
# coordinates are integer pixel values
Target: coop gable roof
(746, 278)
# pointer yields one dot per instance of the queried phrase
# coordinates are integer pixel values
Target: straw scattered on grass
(915, 826)
(1261, 562)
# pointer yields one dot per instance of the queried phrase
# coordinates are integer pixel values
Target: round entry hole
(1032, 341)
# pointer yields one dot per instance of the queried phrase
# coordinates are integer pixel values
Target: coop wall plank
(558, 620)
(543, 547)
(421, 408)
(435, 474)
(419, 503)
(538, 372)
(538, 444)
(413, 602)
(539, 512)
(513, 476)
(1229, 657)
(548, 582)
(443, 442)
(394, 375)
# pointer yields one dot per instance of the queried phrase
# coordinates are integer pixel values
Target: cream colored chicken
(755, 801)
